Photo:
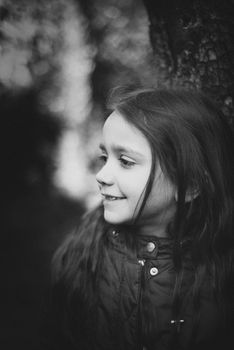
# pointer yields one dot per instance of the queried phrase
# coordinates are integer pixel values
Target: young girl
(152, 267)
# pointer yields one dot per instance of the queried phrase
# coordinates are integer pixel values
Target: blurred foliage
(72, 53)
(35, 53)
(29, 40)
(45, 63)
(43, 44)
(119, 31)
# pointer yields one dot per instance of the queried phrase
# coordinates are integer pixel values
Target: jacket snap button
(153, 271)
(115, 233)
(141, 262)
(150, 247)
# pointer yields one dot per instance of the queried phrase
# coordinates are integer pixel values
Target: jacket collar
(143, 247)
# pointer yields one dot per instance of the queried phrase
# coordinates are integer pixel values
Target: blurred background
(59, 60)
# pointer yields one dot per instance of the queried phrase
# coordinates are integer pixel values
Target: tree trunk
(193, 43)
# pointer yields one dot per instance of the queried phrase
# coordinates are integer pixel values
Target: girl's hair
(194, 145)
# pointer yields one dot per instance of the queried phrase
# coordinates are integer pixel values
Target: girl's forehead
(117, 130)
(116, 123)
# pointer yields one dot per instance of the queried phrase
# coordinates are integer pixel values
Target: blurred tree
(29, 62)
(193, 43)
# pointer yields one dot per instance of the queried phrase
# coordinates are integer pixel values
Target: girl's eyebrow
(102, 147)
(121, 149)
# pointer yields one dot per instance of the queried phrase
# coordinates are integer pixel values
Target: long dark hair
(194, 145)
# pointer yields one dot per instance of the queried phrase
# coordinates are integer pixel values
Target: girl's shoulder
(87, 225)
(80, 241)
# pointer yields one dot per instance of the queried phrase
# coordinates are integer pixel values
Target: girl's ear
(190, 195)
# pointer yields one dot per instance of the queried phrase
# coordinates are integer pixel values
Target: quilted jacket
(134, 305)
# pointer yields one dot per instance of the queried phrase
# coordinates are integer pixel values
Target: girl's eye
(103, 158)
(126, 163)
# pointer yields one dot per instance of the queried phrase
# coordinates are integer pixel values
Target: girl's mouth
(112, 198)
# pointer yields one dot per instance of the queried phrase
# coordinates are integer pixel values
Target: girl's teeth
(111, 198)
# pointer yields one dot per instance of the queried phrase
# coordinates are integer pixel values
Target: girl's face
(127, 159)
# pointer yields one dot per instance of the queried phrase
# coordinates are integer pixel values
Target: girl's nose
(105, 176)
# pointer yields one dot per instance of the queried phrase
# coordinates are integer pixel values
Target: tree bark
(193, 43)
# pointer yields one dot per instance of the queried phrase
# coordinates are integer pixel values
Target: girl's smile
(111, 198)
(122, 180)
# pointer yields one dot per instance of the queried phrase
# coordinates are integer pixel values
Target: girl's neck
(153, 226)
(152, 230)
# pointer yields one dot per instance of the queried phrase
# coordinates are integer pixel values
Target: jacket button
(153, 271)
(141, 262)
(150, 247)
(115, 233)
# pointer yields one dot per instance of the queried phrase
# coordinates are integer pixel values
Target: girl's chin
(113, 218)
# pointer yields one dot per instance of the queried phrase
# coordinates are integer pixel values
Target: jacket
(134, 304)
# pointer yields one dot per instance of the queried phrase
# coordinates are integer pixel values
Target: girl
(152, 267)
